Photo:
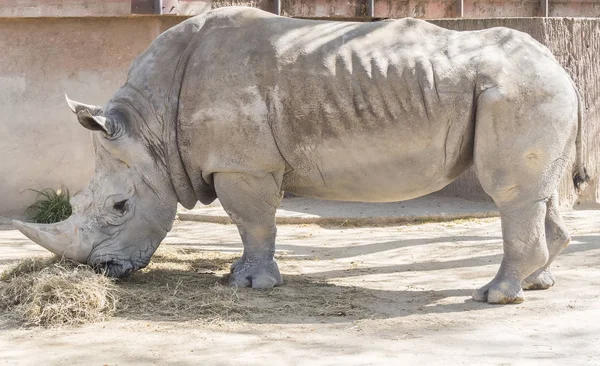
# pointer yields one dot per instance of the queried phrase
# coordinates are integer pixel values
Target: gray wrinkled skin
(241, 105)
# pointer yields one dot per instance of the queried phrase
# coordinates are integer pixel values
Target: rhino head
(121, 217)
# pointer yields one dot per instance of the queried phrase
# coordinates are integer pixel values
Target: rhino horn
(77, 107)
(60, 238)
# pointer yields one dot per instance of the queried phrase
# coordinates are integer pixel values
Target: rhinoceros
(241, 105)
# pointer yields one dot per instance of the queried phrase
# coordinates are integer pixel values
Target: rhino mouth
(117, 268)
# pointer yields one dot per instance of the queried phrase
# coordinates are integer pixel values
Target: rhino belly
(381, 168)
(374, 139)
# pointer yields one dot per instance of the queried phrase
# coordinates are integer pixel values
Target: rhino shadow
(301, 300)
(336, 214)
(309, 252)
(200, 292)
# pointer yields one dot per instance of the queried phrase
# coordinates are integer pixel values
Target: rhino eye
(120, 206)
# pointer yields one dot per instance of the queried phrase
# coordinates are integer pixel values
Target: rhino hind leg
(251, 203)
(520, 155)
(557, 239)
(524, 251)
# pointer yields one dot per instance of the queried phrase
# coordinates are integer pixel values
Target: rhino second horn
(60, 238)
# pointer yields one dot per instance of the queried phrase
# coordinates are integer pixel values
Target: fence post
(371, 8)
(277, 9)
(460, 9)
(544, 8)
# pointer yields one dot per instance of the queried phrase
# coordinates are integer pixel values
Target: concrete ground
(412, 284)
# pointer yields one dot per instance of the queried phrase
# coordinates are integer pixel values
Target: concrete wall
(42, 145)
(429, 9)
(64, 8)
(41, 142)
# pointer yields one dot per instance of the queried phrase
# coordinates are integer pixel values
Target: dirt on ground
(352, 296)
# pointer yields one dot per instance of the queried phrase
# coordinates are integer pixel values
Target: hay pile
(179, 284)
(184, 284)
(52, 292)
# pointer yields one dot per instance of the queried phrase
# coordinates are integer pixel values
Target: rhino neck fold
(179, 177)
(173, 163)
(157, 77)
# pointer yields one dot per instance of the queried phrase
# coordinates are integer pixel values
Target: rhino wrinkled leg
(235, 264)
(251, 203)
(524, 251)
(557, 239)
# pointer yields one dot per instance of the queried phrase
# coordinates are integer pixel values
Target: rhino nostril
(106, 268)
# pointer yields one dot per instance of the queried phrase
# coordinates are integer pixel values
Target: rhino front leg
(251, 202)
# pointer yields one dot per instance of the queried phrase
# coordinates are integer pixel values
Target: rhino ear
(77, 107)
(90, 116)
(95, 123)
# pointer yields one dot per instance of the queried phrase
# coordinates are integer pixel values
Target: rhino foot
(538, 280)
(255, 273)
(500, 292)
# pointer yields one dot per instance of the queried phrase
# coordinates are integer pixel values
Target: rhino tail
(580, 175)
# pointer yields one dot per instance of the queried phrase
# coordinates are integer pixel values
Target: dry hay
(191, 285)
(49, 291)
(178, 285)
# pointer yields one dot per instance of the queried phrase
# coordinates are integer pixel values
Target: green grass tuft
(50, 206)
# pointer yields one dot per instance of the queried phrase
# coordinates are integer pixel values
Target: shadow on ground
(302, 299)
(308, 251)
(191, 285)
